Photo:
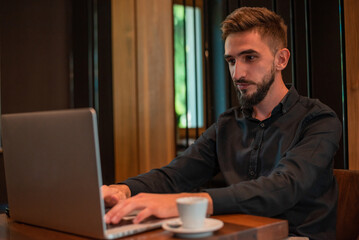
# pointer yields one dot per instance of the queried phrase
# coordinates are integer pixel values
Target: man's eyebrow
(248, 51)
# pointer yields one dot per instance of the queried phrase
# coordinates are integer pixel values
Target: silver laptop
(53, 173)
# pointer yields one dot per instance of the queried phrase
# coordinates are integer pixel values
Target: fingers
(111, 201)
(145, 213)
(159, 205)
(121, 209)
(109, 195)
(105, 191)
(125, 207)
(113, 193)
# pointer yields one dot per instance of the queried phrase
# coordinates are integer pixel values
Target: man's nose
(238, 71)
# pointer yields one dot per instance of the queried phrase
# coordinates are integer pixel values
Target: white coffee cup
(192, 211)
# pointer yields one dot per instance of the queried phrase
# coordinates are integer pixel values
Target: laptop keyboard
(129, 221)
(122, 223)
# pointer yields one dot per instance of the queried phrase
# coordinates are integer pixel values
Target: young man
(275, 151)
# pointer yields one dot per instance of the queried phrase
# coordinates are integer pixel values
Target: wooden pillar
(143, 87)
(351, 20)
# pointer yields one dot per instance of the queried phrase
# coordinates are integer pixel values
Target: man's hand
(159, 205)
(112, 194)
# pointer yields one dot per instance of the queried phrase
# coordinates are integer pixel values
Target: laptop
(53, 173)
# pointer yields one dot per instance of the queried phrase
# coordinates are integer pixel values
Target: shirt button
(262, 125)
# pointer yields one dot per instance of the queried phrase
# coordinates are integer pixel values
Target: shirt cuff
(223, 200)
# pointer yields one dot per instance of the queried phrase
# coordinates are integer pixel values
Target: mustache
(243, 80)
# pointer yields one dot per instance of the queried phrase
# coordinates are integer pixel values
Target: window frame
(193, 132)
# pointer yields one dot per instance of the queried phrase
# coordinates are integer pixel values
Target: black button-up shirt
(281, 167)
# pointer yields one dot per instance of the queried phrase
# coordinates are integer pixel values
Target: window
(188, 60)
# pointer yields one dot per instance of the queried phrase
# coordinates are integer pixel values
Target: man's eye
(250, 58)
(231, 61)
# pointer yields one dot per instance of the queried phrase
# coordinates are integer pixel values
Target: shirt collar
(287, 102)
(289, 99)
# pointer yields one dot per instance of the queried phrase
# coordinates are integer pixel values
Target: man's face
(251, 65)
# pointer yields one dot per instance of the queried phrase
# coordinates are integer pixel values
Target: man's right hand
(114, 193)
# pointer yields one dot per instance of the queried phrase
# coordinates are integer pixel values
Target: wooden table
(237, 226)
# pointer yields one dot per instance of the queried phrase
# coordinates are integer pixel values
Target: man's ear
(282, 58)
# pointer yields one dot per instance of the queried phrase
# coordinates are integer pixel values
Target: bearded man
(275, 151)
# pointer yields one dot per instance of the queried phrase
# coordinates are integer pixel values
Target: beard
(248, 101)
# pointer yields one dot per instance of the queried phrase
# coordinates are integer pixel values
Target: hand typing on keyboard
(114, 193)
(148, 204)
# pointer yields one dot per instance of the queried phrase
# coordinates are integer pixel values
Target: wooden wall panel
(124, 89)
(35, 47)
(351, 19)
(143, 85)
(155, 83)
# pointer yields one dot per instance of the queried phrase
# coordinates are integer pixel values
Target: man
(275, 151)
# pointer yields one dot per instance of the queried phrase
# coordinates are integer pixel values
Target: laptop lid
(52, 169)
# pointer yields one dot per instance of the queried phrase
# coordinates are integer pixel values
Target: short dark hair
(270, 25)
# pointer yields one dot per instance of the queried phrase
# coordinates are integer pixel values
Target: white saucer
(210, 225)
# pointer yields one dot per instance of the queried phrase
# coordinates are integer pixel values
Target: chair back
(348, 204)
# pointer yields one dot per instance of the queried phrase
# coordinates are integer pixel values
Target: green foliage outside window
(180, 67)
(188, 66)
